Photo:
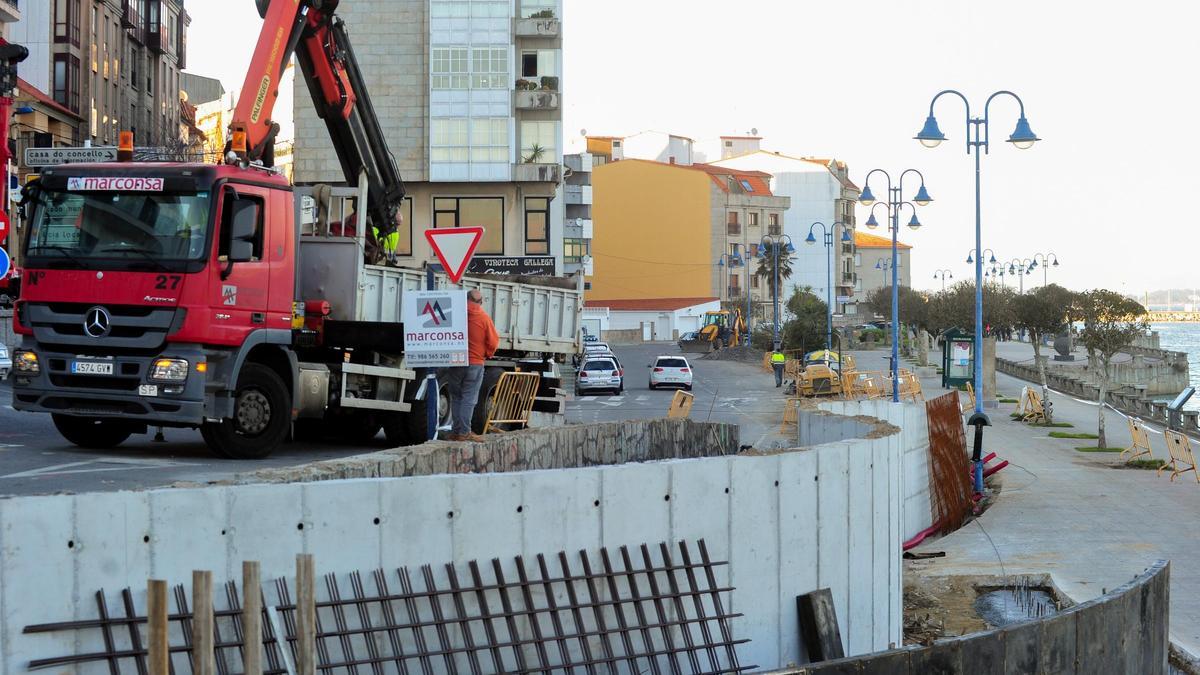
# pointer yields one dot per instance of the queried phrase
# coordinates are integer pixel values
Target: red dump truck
(208, 296)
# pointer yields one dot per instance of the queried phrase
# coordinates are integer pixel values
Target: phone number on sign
(438, 359)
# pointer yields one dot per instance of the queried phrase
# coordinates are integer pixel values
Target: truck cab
(145, 288)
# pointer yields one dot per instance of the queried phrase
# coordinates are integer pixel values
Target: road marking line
(69, 467)
(641, 398)
(588, 398)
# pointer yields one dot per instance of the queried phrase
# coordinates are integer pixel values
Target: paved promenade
(1073, 515)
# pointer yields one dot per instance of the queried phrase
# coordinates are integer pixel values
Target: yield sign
(454, 247)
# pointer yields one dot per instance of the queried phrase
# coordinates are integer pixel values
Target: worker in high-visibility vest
(778, 360)
(389, 244)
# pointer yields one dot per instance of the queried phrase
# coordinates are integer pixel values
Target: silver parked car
(5, 362)
(601, 373)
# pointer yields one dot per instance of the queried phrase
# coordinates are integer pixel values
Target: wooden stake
(306, 615)
(203, 656)
(252, 618)
(156, 613)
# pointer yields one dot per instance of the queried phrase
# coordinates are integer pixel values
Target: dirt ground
(944, 606)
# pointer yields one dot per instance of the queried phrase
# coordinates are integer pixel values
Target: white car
(600, 372)
(5, 362)
(671, 371)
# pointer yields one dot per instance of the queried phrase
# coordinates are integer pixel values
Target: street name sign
(56, 156)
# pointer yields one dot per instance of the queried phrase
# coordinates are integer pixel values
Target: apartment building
(10, 13)
(873, 266)
(673, 231)
(577, 221)
(115, 63)
(469, 95)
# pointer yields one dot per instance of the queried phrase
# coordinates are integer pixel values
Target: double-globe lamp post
(895, 202)
(775, 242)
(827, 234)
(1023, 138)
(943, 275)
(1045, 260)
(1021, 267)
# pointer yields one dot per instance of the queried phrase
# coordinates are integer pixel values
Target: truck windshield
(159, 227)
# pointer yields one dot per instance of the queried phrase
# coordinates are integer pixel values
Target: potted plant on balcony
(535, 154)
(544, 14)
(526, 85)
(549, 83)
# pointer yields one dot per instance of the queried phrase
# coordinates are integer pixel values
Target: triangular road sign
(454, 247)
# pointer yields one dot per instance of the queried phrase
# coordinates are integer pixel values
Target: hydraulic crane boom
(311, 31)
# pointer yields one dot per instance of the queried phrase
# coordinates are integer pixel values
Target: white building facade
(468, 93)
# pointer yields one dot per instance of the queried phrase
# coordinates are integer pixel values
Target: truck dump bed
(530, 317)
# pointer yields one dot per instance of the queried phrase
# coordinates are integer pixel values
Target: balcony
(538, 99)
(578, 195)
(849, 278)
(10, 12)
(544, 28)
(733, 292)
(581, 163)
(733, 229)
(537, 173)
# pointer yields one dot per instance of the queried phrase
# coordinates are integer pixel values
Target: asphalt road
(34, 459)
(725, 391)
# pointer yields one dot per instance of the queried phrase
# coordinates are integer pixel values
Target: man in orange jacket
(463, 384)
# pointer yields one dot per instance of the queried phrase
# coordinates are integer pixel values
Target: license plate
(91, 368)
(147, 390)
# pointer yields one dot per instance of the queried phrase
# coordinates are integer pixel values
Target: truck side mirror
(242, 229)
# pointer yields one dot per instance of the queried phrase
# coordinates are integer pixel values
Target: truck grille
(130, 327)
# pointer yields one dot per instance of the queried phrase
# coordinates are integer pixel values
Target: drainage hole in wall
(146, 539)
(449, 514)
(776, 483)
(520, 509)
(376, 521)
(726, 490)
(71, 544)
(299, 526)
(222, 533)
(596, 503)
(666, 498)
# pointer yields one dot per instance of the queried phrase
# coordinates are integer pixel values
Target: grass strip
(1145, 463)
(1069, 434)
(1096, 449)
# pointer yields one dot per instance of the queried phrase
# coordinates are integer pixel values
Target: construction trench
(640, 546)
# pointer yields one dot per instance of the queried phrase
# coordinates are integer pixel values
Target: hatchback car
(600, 374)
(671, 371)
(5, 362)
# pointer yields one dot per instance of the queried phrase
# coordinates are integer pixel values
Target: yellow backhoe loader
(721, 329)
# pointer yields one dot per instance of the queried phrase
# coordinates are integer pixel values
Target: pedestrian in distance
(463, 384)
(778, 360)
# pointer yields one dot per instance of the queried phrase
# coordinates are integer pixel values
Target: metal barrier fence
(512, 400)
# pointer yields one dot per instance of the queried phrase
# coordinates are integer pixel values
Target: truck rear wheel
(91, 432)
(261, 417)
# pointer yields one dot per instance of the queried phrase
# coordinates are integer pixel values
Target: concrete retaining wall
(913, 426)
(1122, 632)
(788, 522)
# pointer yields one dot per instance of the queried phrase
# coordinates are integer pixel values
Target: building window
(752, 219)
(66, 81)
(539, 63)
(540, 8)
(773, 223)
(537, 226)
(448, 140)
(485, 212)
(539, 142)
(574, 250)
(489, 140)
(450, 9)
(489, 9)
(731, 218)
(489, 68)
(449, 68)
(66, 21)
(754, 281)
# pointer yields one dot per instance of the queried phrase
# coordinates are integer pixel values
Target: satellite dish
(579, 222)
(583, 132)
(754, 131)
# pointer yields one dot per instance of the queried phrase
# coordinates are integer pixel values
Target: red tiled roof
(760, 183)
(659, 304)
(41, 97)
(864, 240)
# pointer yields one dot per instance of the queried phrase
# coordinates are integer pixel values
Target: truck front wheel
(91, 432)
(261, 416)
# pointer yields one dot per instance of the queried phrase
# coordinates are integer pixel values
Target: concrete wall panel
(415, 527)
(797, 541)
(833, 542)
(339, 524)
(181, 540)
(754, 554)
(861, 536)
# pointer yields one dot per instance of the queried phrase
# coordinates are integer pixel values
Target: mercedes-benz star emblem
(97, 323)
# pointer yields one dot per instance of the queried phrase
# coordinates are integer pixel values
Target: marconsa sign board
(114, 184)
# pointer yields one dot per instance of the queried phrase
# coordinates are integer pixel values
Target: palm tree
(766, 267)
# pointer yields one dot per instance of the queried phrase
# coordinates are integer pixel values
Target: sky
(1104, 83)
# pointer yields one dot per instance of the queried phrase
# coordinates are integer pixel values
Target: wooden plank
(819, 633)
(203, 656)
(252, 618)
(156, 613)
(306, 615)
